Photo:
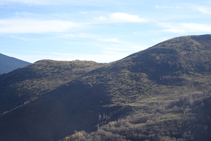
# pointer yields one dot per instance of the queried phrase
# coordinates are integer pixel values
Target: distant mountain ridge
(157, 88)
(8, 64)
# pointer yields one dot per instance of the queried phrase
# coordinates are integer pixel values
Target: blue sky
(102, 31)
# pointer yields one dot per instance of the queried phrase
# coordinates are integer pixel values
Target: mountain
(163, 87)
(8, 64)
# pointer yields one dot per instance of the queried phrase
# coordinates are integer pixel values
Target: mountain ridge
(135, 85)
(8, 64)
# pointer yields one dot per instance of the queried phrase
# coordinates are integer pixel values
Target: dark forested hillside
(8, 64)
(161, 93)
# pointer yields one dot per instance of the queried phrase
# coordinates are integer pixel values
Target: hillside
(168, 88)
(8, 64)
(122, 98)
(29, 83)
